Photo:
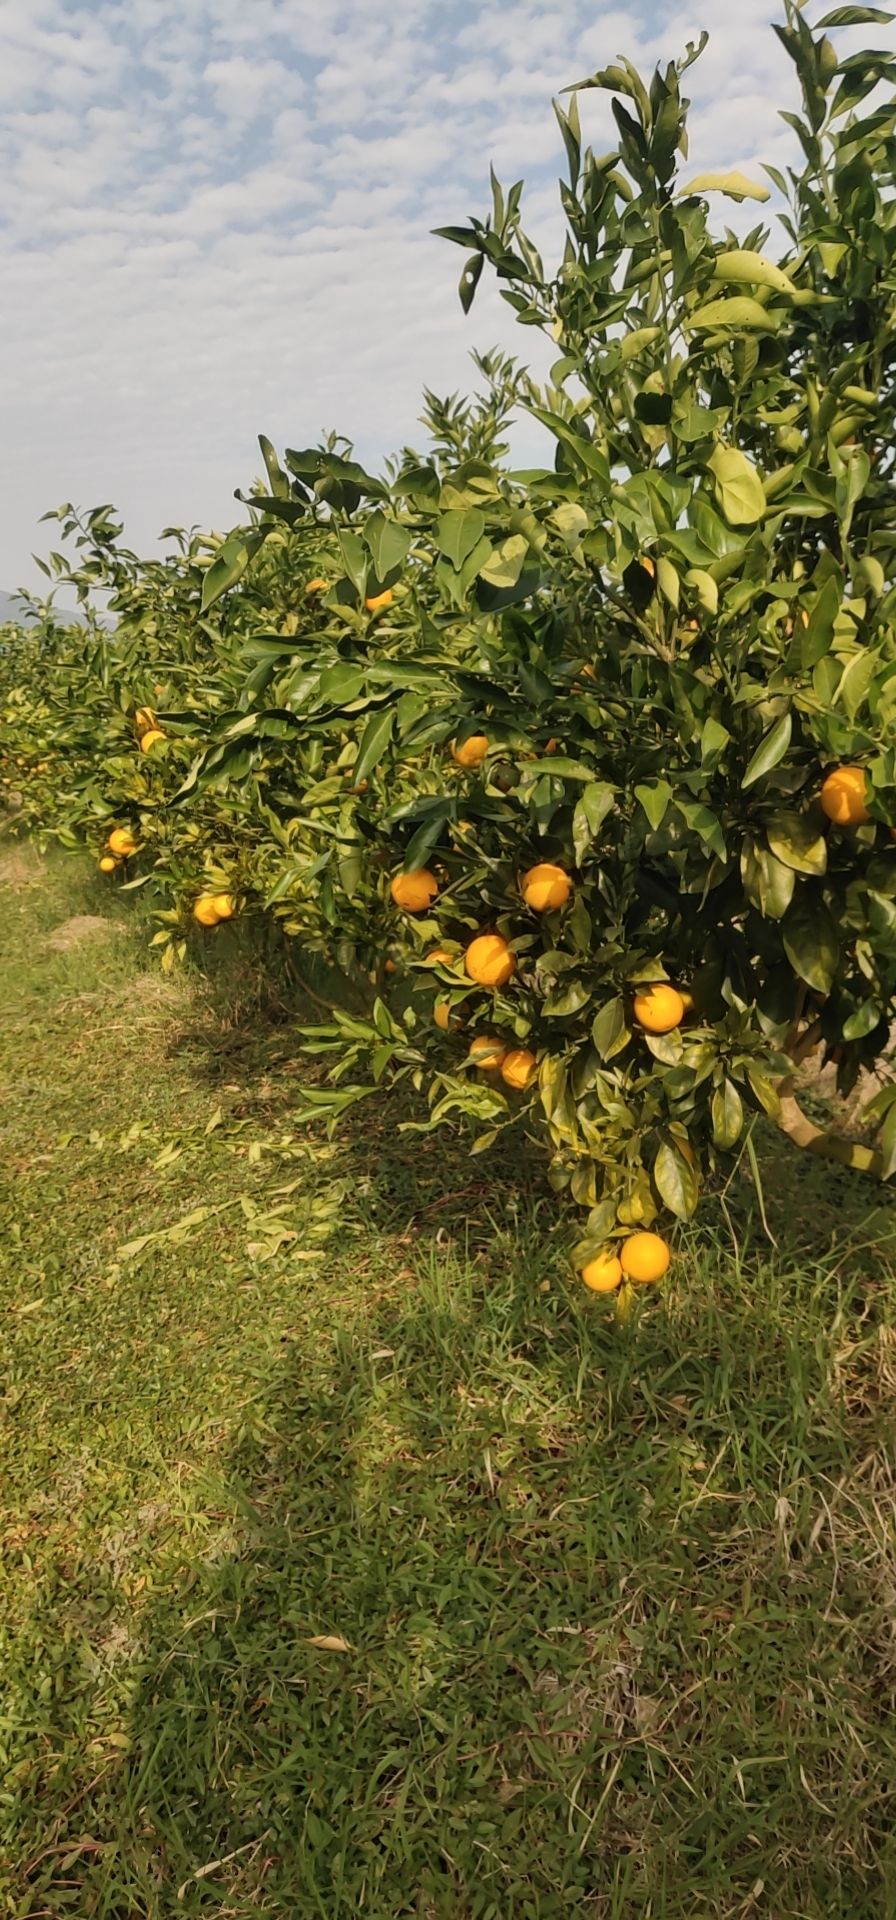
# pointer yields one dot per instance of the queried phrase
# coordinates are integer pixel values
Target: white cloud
(217, 221)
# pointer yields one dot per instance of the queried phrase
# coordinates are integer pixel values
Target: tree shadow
(244, 1048)
(502, 1598)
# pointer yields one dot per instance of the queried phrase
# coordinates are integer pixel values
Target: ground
(353, 1561)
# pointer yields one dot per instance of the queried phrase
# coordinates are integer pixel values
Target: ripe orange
(107, 864)
(205, 911)
(377, 601)
(316, 586)
(148, 740)
(489, 961)
(587, 671)
(486, 1052)
(658, 1009)
(414, 891)
(518, 1067)
(644, 1256)
(446, 1017)
(440, 957)
(843, 796)
(121, 841)
(144, 719)
(224, 905)
(546, 886)
(648, 565)
(473, 751)
(603, 1273)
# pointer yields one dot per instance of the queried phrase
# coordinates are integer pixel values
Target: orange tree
(620, 749)
(591, 768)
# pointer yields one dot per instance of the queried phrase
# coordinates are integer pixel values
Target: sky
(217, 221)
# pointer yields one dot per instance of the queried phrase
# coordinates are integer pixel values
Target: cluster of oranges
(657, 1007)
(120, 845)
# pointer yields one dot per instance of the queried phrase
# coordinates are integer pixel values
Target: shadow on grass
(247, 1047)
(516, 1615)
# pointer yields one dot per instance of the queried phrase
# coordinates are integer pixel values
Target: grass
(617, 1609)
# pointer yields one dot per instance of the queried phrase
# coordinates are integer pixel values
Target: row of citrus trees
(587, 772)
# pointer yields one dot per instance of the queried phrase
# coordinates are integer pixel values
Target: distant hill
(12, 611)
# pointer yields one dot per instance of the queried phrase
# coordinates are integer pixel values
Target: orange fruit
(121, 841)
(603, 1273)
(414, 891)
(486, 1052)
(843, 796)
(648, 565)
(644, 1257)
(377, 601)
(489, 961)
(224, 905)
(205, 911)
(316, 586)
(518, 1067)
(144, 719)
(439, 957)
(446, 1017)
(658, 1009)
(107, 864)
(472, 752)
(587, 671)
(546, 886)
(148, 740)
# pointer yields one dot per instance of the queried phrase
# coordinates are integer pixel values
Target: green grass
(618, 1606)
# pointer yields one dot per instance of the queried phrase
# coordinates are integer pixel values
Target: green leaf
(854, 17)
(743, 268)
(229, 567)
(817, 638)
(735, 184)
(738, 313)
(570, 999)
(768, 884)
(590, 814)
(863, 1021)
(727, 1116)
(810, 940)
(772, 748)
(388, 542)
(457, 533)
(739, 490)
(704, 587)
(655, 801)
(765, 1090)
(668, 582)
(676, 1181)
(354, 559)
(279, 482)
(610, 1029)
(374, 741)
(797, 841)
(504, 566)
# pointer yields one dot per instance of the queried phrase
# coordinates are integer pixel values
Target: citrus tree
(589, 770)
